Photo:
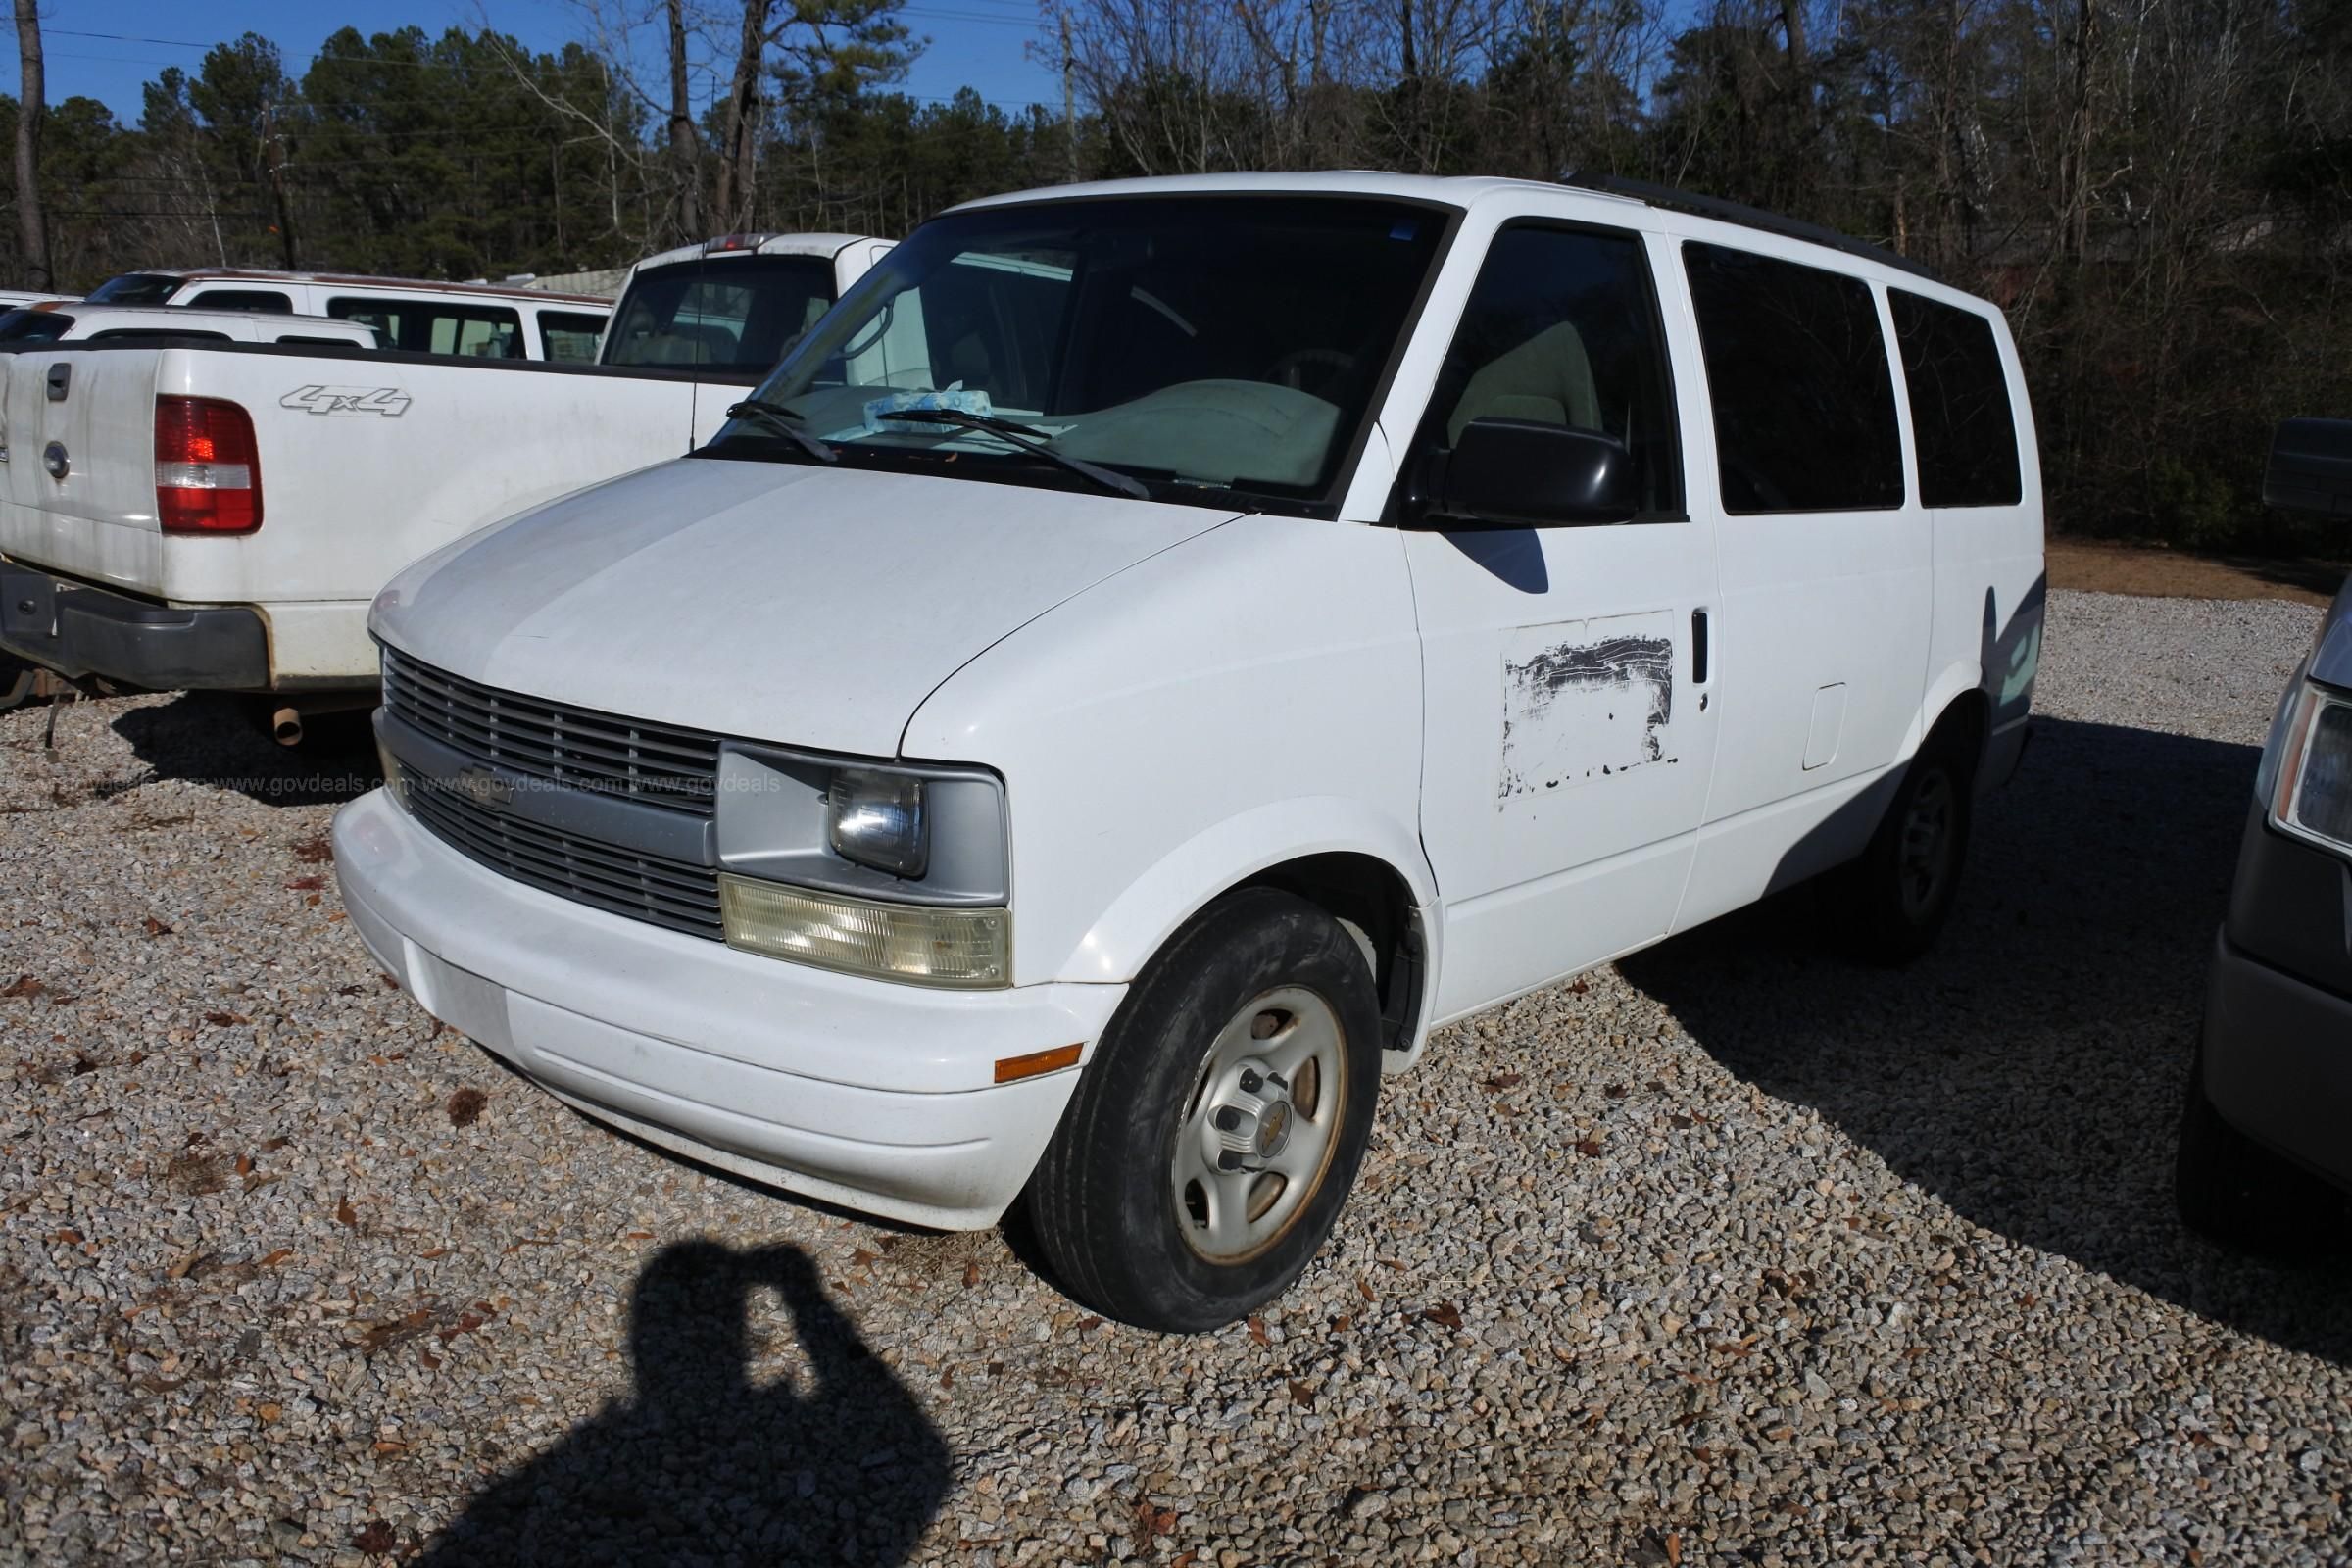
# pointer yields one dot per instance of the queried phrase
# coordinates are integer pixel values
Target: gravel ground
(1735, 1253)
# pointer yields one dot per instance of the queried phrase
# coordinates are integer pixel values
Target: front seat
(1546, 379)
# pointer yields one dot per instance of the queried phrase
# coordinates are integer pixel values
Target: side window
(427, 327)
(1562, 328)
(243, 299)
(1960, 416)
(570, 337)
(1798, 380)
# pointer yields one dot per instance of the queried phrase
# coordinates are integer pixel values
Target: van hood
(781, 602)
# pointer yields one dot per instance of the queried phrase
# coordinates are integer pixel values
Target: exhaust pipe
(286, 726)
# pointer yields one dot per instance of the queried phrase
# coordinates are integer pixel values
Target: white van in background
(1287, 612)
(84, 324)
(739, 301)
(474, 321)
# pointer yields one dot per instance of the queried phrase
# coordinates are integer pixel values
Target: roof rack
(1746, 217)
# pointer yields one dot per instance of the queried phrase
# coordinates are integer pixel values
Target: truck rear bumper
(77, 631)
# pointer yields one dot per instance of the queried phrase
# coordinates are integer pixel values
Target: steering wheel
(1285, 370)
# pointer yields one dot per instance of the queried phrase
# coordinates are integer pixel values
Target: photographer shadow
(833, 1463)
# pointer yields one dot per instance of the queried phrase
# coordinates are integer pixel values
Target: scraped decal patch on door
(385, 402)
(1585, 699)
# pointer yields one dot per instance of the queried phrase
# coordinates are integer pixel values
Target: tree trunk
(734, 209)
(32, 234)
(685, 159)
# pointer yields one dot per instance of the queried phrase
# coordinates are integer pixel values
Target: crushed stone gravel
(1735, 1253)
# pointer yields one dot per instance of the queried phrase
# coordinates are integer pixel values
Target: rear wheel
(1212, 1140)
(2231, 1190)
(1895, 899)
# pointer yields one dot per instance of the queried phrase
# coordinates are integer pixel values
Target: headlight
(877, 819)
(2311, 795)
(897, 870)
(967, 948)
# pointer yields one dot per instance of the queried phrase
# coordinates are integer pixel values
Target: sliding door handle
(1698, 647)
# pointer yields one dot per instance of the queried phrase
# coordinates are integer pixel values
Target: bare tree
(685, 148)
(32, 234)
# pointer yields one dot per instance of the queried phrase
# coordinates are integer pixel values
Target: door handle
(1698, 647)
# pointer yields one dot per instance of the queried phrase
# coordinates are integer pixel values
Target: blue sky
(975, 43)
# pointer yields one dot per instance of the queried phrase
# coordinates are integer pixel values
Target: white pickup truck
(192, 514)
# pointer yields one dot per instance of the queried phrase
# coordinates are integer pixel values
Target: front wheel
(2231, 1190)
(1212, 1138)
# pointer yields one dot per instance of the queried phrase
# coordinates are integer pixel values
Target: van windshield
(137, 288)
(1223, 350)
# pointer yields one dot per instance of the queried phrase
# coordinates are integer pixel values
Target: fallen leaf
(345, 1213)
(1258, 1330)
(971, 1273)
(1446, 1315)
(310, 852)
(306, 884)
(639, 1235)
(1343, 1323)
(464, 1106)
(390, 982)
(181, 1265)
(1674, 1552)
(861, 1258)
(1363, 1288)
(388, 1446)
(269, 1412)
(1615, 1092)
(23, 985)
(1589, 1148)
(1580, 987)
(156, 928)
(276, 1259)
(1300, 1393)
(69, 1236)
(244, 1165)
(376, 1539)
(225, 1021)
(1501, 1081)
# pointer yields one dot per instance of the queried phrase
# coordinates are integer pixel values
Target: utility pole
(32, 234)
(1069, 102)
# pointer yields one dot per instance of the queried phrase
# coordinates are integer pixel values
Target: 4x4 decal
(389, 402)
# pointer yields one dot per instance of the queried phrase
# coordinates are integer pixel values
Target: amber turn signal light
(1011, 1068)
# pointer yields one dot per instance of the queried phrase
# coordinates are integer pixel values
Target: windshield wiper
(785, 423)
(1029, 439)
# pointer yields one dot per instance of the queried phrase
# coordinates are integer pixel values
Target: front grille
(660, 764)
(643, 887)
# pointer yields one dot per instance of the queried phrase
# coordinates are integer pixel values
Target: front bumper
(877, 1095)
(2277, 1061)
(79, 631)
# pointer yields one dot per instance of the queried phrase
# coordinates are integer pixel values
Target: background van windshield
(137, 288)
(1204, 343)
(739, 312)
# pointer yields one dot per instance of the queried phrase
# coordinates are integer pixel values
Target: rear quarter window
(432, 327)
(1799, 383)
(1961, 419)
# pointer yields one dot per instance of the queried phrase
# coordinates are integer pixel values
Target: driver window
(1561, 328)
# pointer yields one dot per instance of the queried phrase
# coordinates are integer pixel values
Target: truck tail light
(208, 467)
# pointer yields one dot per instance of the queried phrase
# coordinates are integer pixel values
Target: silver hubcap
(1264, 1120)
(1925, 854)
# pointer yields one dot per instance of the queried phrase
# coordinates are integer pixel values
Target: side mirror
(1518, 473)
(2311, 467)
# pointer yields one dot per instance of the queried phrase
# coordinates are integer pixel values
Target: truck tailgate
(79, 477)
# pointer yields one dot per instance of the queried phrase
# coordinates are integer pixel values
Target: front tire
(1213, 1137)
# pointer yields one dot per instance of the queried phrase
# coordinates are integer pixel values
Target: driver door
(1566, 743)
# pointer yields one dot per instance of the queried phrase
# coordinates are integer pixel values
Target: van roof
(249, 275)
(193, 317)
(1467, 190)
(758, 244)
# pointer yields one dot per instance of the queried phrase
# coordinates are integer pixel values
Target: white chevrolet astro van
(1156, 651)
